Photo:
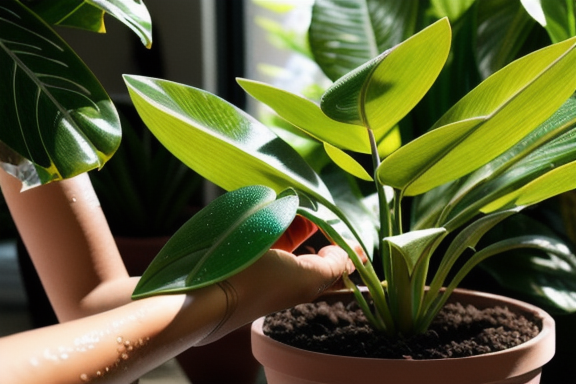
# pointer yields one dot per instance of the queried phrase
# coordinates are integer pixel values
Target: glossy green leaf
(132, 13)
(550, 145)
(381, 92)
(219, 141)
(503, 26)
(222, 239)
(537, 276)
(506, 99)
(345, 34)
(415, 244)
(70, 13)
(400, 81)
(347, 162)
(451, 9)
(557, 17)
(407, 164)
(89, 15)
(308, 117)
(546, 280)
(548, 185)
(59, 116)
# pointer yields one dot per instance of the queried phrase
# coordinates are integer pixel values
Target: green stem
(385, 219)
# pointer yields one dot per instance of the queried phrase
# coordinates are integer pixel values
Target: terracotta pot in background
(284, 364)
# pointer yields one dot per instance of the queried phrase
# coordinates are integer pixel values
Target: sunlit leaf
(346, 34)
(54, 111)
(346, 162)
(503, 26)
(506, 99)
(132, 13)
(451, 9)
(308, 116)
(219, 141)
(381, 92)
(557, 17)
(225, 237)
(548, 185)
(70, 13)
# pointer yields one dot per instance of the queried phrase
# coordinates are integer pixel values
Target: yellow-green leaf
(553, 183)
(346, 162)
(512, 103)
(308, 117)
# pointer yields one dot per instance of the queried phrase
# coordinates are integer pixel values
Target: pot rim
(515, 361)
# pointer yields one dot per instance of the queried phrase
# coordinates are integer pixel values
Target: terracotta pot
(284, 364)
(228, 360)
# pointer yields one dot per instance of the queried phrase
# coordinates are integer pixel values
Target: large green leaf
(545, 78)
(546, 278)
(557, 17)
(548, 146)
(70, 13)
(550, 184)
(345, 34)
(89, 15)
(225, 237)
(53, 110)
(503, 26)
(132, 13)
(219, 141)
(381, 92)
(308, 116)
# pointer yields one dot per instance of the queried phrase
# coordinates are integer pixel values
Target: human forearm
(116, 346)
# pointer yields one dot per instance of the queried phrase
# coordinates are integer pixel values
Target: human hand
(280, 279)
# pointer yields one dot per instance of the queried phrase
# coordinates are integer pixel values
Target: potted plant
(488, 157)
(486, 36)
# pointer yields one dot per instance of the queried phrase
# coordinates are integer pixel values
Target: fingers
(298, 232)
(337, 258)
(325, 269)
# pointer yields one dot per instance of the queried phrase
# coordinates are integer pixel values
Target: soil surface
(457, 331)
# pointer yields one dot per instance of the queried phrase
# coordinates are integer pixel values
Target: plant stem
(385, 219)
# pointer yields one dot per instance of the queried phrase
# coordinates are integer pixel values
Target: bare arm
(119, 345)
(71, 246)
(74, 252)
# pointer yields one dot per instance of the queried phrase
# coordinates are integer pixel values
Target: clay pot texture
(284, 364)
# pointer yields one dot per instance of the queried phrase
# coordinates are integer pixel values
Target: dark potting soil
(457, 331)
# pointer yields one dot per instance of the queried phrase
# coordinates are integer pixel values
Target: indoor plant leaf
(451, 9)
(132, 13)
(346, 162)
(344, 35)
(535, 275)
(69, 107)
(409, 258)
(390, 85)
(550, 184)
(212, 245)
(89, 15)
(198, 127)
(548, 146)
(503, 26)
(513, 90)
(308, 116)
(71, 13)
(557, 17)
